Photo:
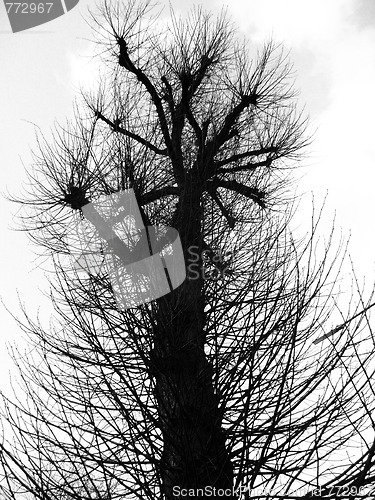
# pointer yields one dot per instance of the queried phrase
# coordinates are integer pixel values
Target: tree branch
(227, 132)
(169, 95)
(247, 166)
(136, 137)
(254, 152)
(215, 196)
(194, 124)
(159, 193)
(125, 62)
(250, 192)
(231, 119)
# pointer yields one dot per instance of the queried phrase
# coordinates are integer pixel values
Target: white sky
(332, 47)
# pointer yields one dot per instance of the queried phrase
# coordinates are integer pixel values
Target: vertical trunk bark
(194, 454)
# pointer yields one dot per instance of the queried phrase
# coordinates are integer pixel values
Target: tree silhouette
(232, 384)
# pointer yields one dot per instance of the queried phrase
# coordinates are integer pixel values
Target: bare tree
(232, 384)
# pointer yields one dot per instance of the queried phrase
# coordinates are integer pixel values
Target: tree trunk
(194, 454)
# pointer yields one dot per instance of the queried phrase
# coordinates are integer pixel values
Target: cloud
(364, 14)
(332, 47)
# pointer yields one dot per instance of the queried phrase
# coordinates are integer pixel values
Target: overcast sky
(332, 46)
